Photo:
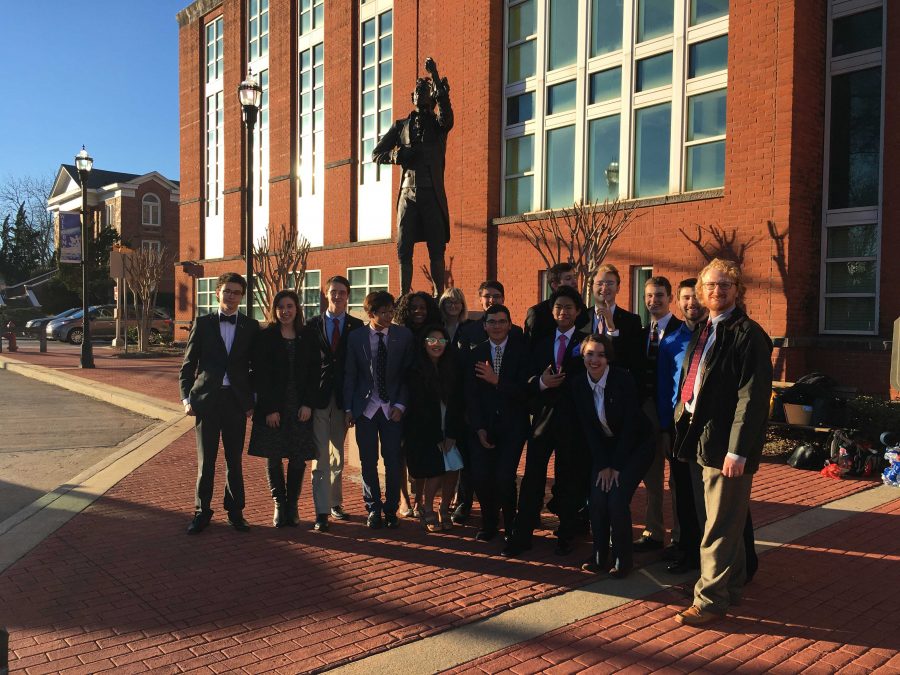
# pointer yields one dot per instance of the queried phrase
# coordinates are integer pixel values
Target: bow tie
(228, 319)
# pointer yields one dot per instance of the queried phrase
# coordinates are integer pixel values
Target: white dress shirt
(611, 333)
(598, 388)
(375, 401)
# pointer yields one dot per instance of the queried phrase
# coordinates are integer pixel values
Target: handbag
(453, 459)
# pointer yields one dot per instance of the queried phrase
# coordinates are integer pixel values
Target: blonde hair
(730, 269)
(454, 293)
(606, 268)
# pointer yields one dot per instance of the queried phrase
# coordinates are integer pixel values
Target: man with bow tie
(216, 390)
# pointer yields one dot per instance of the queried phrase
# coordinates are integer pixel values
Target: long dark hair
(440, 377)
(403, 316)
(298, 318)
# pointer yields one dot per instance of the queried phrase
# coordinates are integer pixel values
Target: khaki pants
(654, 480)
(328, 468)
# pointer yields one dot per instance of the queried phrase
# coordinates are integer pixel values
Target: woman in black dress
(286, 375)
(432, 423)
(617, 431)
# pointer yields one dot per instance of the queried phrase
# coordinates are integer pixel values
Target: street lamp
(84, 163)
(250, 95)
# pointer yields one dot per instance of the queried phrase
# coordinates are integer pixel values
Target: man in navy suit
(375, 396)
(608, 318)
(216, 389)
(496, 409)
(329, 425)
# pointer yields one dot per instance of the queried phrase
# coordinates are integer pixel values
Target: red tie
(560, 352)
(335, 334)
(687, 390)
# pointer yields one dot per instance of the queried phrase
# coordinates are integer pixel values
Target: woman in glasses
(432, 423)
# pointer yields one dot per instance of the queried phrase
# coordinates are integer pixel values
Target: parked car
(37, 325)
(103, 325)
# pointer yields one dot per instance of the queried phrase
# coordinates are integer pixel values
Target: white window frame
(312, 281)
(214, 142)
(368, 286)
(150, 202)
(151, 245)
(677, 93)
(206, 302)
(638, 279)
(310, 167)
(257, 53)
(840, 65)
(310, 7)
(110, 215)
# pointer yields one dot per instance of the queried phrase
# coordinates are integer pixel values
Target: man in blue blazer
(375, 395)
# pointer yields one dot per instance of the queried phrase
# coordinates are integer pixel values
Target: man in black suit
(329, 424)
(216, 389)
(375, 395)
(555, 362)
(539, 321)
(497, 413)
(607, 318)
(657, 299)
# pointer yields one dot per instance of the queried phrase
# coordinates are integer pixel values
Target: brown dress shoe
(696, 616)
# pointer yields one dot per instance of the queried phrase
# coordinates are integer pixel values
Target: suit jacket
(649, 368)
(732, 408)
(500, 410)
(271, 371)
(359, 368)
(552, 409)
(627, 344)
(473, 334)
(539, 322)
(422, 423)
(331, 376)
(206, 361)
(630, 427)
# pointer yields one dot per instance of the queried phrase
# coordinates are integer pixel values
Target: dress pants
(611, 511)
(654, 481)
(390, 434)
(226, 420)
(683, 493)
(329, 429)
(494, 476)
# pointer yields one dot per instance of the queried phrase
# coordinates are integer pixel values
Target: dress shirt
(329, 323)
(568, 335)
(598, 388)
(611, 333)
(660, 327)
(375, 401)
(494, 347)
(227, 330)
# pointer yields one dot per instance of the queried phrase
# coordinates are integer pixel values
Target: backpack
(852, 453)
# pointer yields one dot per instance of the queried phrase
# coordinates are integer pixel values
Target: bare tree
(723, 245)
(144, 270)
(280, 263)
(32, 192)
(581, 235)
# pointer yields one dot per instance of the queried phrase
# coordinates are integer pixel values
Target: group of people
(449, 403)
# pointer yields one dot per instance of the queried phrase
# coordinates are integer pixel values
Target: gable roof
(98, 178)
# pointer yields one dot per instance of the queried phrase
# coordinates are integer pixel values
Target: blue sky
(103, 73)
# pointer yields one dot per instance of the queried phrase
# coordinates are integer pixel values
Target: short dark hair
(567, 292)
(659, 281)
(603, 339)
(338, 279)
(492, 283)
(231, 278)
(497, 309)
(376, 300)
(555, 272)
(690, 282)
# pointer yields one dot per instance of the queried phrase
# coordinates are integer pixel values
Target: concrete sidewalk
(120, 587)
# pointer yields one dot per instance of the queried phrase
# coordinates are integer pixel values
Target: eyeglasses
(606, 282)
(226, 291)
(724, 285)
(497, 322)
(436, 341)
(452, 302)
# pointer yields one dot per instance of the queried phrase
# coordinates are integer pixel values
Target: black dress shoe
(591, 565)
(237, 522)
(391, 521)
(461, 514)
(683, 566)
(645, 544)
(321, 524)
(515, 548)
(672, 553)
(485, 535)
(338, 513)
(563, 547)
(199, 523)
(619, 572)
(374, 520)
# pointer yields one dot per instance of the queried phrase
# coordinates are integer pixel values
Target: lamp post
(84, 163)
(249, 95)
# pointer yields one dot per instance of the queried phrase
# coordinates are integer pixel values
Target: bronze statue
(418, 143)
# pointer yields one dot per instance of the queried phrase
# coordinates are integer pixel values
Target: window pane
(856, 276)
(856, 32)
(603, 158)
(560, 169)
(519, 155)
(707, 57)
(378, 276)
(357, 277)
(519, 192)
(386, 22)
(651, 150)
(705, 166)
(706, 115)
(521, 21)
(520, 62)
(706, 10)
(561, 97)
(520, 108)
(855, 241)
(653, 72)
(855, 139)
(606, 85)
(563, 33)
(655, 18)
(856, 314)
(606, 26)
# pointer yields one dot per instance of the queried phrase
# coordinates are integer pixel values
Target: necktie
(602, 325)
(228, 319)
(560, 352)
(687, 390)
(381, 368)
(336, 334)
(653, 344)
(498, 358)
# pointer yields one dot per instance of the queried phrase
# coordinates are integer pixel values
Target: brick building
(765, 121)
(143, 208)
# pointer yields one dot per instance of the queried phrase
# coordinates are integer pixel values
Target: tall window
(258, 63)
(607, 99)
(214, 151)
(150, 210)
(312, 15)
(376, 100)
(851, 247)
(151, 245)
(311, 126)
(365, 280)
(257, 29)
(311, 294)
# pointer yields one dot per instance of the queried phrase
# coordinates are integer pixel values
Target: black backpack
(853, 453)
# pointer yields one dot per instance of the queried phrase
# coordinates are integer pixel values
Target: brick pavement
(122, 588)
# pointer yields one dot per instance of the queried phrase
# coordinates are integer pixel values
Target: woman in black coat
(618, 434)
(286, 376)
(432, 424)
